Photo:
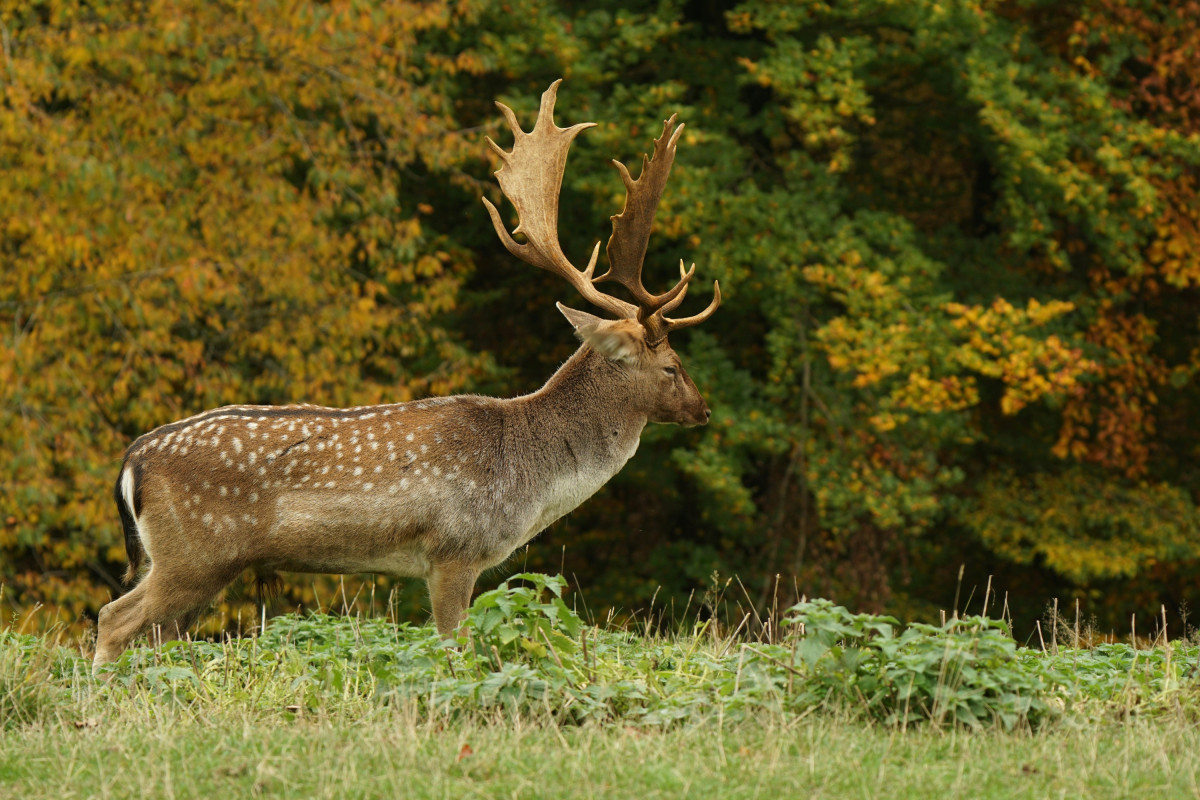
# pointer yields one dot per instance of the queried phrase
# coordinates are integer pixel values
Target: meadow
(531, 701)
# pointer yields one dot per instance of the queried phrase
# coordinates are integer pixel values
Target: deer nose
(707, 415)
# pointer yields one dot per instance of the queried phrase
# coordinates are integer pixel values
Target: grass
(399, 754)
(533, 703)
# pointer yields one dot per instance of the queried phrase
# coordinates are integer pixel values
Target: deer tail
(127, 493)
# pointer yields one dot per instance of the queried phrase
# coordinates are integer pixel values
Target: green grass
(533, 703)
(398, 753)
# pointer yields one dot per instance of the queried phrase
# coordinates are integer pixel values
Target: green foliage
(967, 671)
(515, 622)
(1084, 528)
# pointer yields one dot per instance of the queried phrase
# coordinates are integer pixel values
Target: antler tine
(684, 278)
(631, 228)
(660, 326)
(531, 178)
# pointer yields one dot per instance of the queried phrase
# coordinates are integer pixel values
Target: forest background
(957, 241)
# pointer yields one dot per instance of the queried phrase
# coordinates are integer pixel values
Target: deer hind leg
(118, 623)
(164, 603)
(450, 587)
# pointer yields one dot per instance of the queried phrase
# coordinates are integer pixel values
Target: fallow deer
(440, 489)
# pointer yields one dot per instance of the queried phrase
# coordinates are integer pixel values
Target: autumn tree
(208, 205)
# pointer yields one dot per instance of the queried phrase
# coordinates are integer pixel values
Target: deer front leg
(450, 587)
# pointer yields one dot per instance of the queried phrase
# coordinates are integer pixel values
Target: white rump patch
(127, 491)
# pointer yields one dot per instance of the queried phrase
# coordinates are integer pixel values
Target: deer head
(636, 341)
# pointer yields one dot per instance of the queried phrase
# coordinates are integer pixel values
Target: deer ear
(621, 340)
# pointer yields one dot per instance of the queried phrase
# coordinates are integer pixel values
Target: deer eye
(671, 371)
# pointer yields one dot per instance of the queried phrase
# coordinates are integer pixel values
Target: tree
(957, 242)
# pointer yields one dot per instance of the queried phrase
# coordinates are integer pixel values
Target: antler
(531, 178)
(631, 233)
(631, 228)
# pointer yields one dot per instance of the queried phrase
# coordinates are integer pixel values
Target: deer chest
(567, 491)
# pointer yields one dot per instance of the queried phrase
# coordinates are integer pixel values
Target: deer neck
(564, 441)
(585, 417)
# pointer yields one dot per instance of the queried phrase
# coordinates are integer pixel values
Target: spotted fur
(439, 489)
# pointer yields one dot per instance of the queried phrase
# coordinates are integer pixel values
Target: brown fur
(440, 489)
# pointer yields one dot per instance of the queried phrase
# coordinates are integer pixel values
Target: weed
(966, 670)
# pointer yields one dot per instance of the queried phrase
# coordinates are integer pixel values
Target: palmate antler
(531, 178)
